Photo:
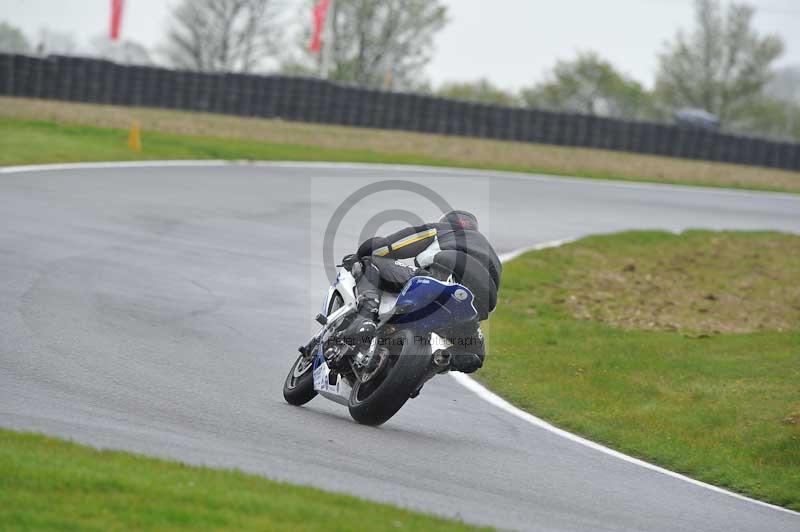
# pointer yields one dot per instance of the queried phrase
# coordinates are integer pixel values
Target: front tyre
(298, 388)
(375, 401)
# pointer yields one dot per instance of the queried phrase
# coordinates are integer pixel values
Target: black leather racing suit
(440, 250)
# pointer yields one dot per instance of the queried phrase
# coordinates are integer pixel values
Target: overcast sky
(511, 42)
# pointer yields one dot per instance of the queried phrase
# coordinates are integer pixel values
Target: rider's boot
(466, 362)
(364, 325)
(468, 350)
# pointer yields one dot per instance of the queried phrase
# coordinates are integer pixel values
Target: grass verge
(670, 386)
(180, 134)
(48, 484)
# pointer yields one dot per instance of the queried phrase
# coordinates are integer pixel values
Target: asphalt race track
(157, 309)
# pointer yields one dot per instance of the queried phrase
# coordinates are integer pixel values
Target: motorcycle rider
(453, 248)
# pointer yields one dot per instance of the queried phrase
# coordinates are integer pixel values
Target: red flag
(116, 18)
(320, 10)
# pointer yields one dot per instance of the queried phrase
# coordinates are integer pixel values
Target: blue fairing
(426, 305)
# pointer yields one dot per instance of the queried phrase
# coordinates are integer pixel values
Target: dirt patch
(697, 283)
(460, 150)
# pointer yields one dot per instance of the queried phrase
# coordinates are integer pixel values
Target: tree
(481, 90)
(722, 66)
(125, 52)
(785, 84)
(590, 85)
(776, 112)
(222, 35)
(769, 117)
(12, 40)
(375, 44)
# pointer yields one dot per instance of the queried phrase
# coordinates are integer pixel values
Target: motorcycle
(406, 352)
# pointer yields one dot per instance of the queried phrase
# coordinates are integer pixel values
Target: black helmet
(461, 219)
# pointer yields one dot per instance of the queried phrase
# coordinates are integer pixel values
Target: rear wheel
(378, 395)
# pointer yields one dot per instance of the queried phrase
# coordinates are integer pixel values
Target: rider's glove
(352, 264)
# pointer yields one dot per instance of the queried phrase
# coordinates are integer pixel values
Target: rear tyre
(374, 402)
(298, 388)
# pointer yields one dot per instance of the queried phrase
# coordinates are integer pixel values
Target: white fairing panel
(338, 392)
(346, 286)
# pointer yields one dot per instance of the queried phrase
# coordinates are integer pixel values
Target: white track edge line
(406, 168)
(492, 398)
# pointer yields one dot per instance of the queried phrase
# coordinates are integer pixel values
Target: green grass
(35, 142)
(48, 484)
(720, 407)
(38, 142)
(24, 141)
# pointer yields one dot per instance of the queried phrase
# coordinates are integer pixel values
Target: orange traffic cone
(135, 137)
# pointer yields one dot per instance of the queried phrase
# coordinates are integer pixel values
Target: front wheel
(298, 388)
(375, 400)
